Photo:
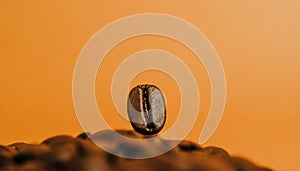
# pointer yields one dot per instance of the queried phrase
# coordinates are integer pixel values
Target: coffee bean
(245, 165)
(34, 148)
(84, 135)
(64, 148)
(57, 140)
(188, 146)
(146, 109)
(217, 152)
(7, 151)
(24, 156)
(33, 165)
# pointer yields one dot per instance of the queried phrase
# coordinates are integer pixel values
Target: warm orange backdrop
(258, 43)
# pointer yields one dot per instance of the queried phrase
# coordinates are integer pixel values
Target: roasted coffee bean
(24, 156)
(33, 165)
(34, 148)
(84, 135)
(146, 109)
(243, 164)
(64, 148)
(217, 152)
(57, 140)
(188, 146)
(7, 151)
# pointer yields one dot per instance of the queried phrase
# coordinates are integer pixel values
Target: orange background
(258, 43)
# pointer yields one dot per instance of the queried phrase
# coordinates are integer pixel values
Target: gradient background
(258, 43)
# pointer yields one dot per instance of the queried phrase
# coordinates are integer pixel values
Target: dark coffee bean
(146, 109)
(29, 152)
(84, 135)
(4, 159)
(111, 158)
(188, 146)
(24, 156)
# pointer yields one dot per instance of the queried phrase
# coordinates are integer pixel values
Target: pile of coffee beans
(66, 153)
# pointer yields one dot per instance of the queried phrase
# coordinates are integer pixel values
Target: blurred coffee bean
(19, 146)
(64, 148)
(4, 161)
(217, 152)
(188, 146)
(146, 109)
(57, 140)
(151, 164)
(34, 148)
(6, 164)
(24, 157)
(241, 164)
(84, 135)
(89, 147)
(65, 152)
(33, 166)
(93, 162)
(108, 139)
(7, 151)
